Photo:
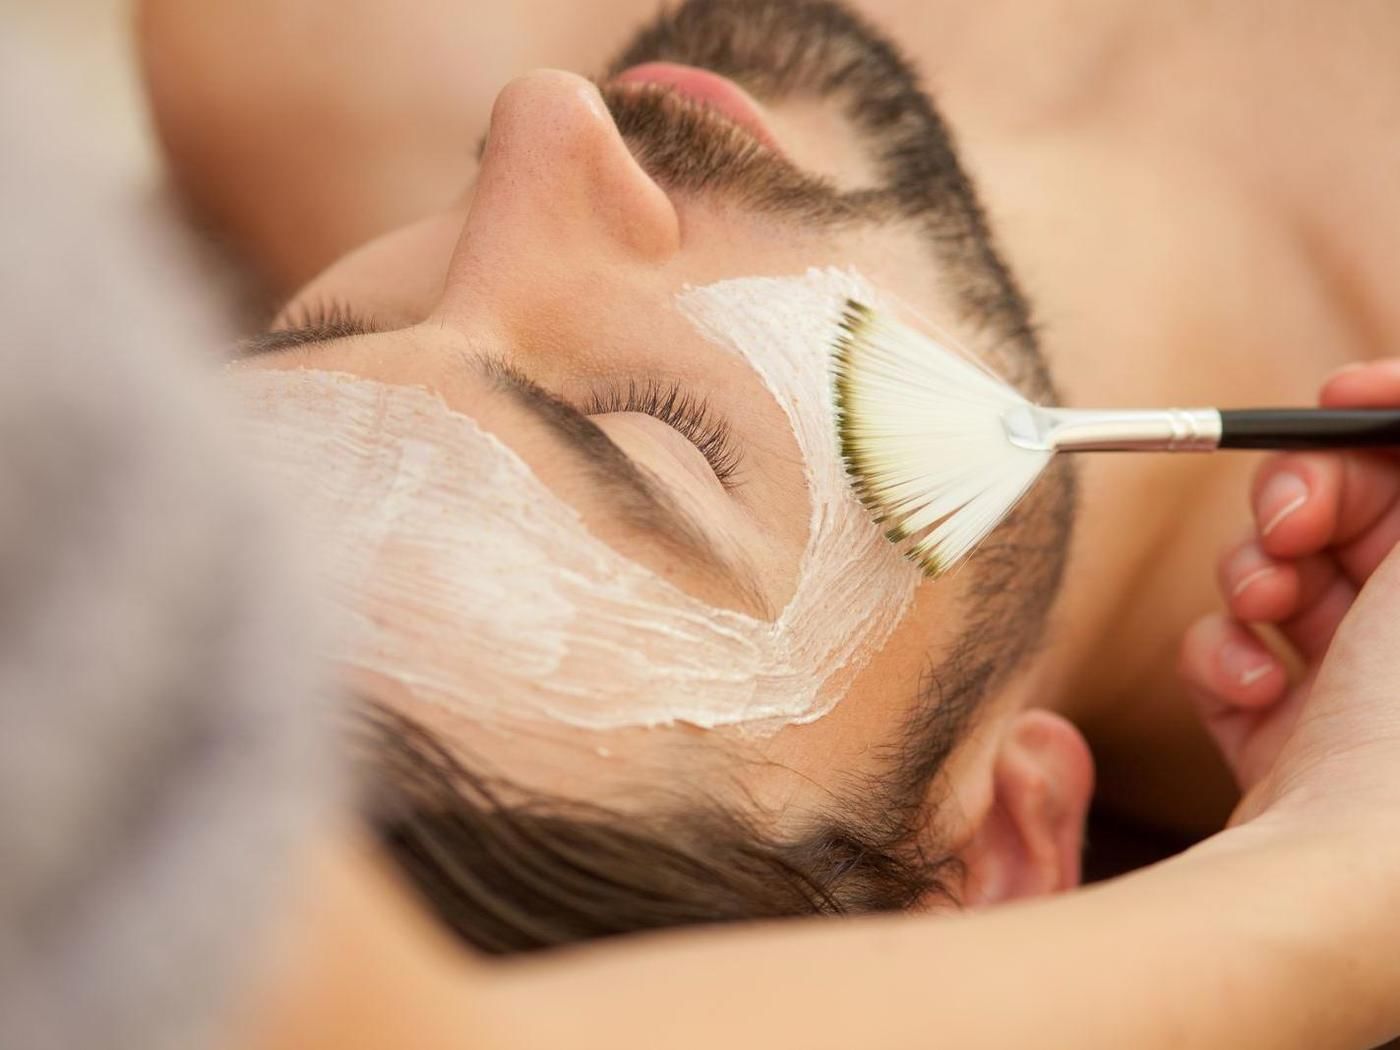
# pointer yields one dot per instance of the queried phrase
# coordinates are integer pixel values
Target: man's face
(543, 304)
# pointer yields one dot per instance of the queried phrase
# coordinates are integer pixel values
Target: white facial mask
(470, 583)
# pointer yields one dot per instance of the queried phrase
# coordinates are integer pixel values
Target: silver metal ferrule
(1093, 430)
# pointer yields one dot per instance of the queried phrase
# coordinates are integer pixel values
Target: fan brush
(941, 450)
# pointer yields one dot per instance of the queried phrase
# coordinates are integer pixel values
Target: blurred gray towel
(161, 744)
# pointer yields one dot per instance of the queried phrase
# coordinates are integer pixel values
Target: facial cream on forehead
(465, 579)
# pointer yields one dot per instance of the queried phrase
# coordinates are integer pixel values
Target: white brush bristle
(922, 435)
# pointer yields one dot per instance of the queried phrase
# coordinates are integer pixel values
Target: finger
(1257, 588)
(1305, 502)
(1305, 598)
(1232, 705)
(1294, 498)
(1229, 666)
(1325, 595)
(1375, 384)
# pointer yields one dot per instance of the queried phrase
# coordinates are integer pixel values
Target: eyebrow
(641, 501)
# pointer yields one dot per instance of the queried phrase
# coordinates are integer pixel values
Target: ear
(1029, 839)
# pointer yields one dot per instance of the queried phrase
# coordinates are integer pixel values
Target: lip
(711, 90)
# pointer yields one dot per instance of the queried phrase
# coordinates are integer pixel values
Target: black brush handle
(1301, 428)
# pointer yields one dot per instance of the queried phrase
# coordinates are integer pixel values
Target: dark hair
(538, 872)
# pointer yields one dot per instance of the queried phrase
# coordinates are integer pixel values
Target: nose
(558, 188)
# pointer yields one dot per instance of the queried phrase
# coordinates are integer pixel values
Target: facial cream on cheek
(468, 581)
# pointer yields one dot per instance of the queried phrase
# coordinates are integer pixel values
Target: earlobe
(1029, 840)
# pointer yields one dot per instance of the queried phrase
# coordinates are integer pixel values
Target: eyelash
(321, 318)
(688, 415)
(683, 412)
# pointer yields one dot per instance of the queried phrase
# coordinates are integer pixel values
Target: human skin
(1128, 963)
(1296, 948)
(1178, 250)
(1297, 951)
(1300, 956)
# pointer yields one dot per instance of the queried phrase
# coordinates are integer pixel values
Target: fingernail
(1253, 674)
(1283, 495)
(1250, 580)
(1243, 664)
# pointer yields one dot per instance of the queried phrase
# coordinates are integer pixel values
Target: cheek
(895, 687)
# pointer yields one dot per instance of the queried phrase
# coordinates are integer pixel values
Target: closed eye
(304, 324)
(687, 414)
